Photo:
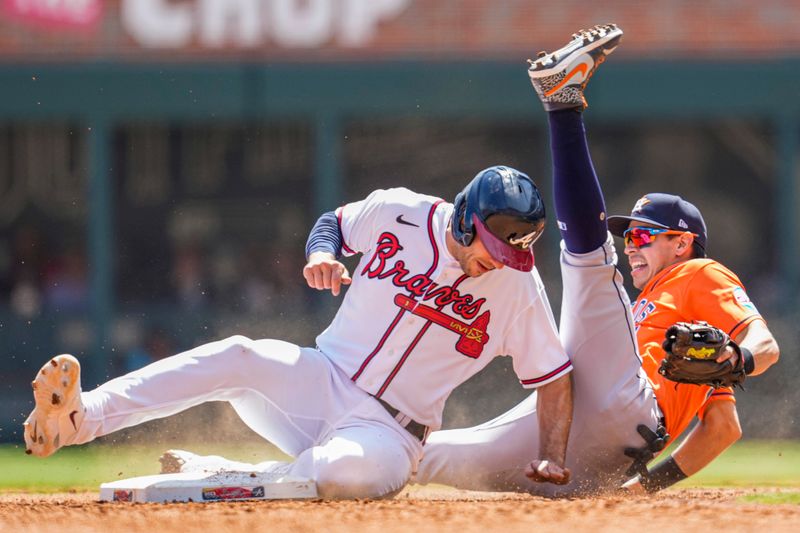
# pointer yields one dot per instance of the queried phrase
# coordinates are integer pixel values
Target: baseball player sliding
(619, 398)
(440, 290)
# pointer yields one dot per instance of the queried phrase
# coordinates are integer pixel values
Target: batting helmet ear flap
(461, 226)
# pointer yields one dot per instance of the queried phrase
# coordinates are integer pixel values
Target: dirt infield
(426, 509)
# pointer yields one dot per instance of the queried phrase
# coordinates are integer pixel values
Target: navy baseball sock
(580, 208)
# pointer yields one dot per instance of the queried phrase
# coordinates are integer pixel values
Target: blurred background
(162, 161)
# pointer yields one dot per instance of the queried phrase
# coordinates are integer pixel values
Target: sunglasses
(641, 237)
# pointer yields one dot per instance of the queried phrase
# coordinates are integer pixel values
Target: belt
(412, 426)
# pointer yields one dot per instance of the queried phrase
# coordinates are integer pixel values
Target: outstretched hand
(324, 272)
(545, 471)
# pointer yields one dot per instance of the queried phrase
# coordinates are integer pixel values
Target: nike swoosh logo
(400, 220)
(580, 69)
(72, 419)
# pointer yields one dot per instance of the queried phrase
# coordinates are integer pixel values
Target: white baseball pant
(611, 397)
(294, 397)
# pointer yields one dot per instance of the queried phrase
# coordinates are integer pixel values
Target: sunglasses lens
(639, 237)
(644, 237)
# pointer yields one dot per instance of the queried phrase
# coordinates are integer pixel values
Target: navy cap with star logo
(666, 211)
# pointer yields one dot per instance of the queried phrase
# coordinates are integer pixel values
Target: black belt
(413, 427)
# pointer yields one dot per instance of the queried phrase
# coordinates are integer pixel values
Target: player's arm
(758, 345)
(712, 435)
(554, 408)
(323, 248)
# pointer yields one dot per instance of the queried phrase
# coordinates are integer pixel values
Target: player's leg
(281, 391)
(294, 397)
(596, 327)
(490, 456)
(595, 307)
(369, 457)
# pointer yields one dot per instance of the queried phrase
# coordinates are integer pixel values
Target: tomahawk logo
(471, 336)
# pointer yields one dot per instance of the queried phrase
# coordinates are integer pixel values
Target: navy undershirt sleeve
(579, 203)
(325, 236)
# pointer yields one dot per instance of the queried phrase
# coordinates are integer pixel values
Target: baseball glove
(691, 352)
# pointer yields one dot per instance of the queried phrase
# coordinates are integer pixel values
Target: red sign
(232, 493)
(56, 13)
(123, 495)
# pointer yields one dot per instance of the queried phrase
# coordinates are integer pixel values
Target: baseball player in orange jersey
(665, 241)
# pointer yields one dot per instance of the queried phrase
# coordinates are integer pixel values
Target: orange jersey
(694, 290)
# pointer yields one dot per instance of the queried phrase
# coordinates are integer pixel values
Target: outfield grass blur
(81, 468)
(752, 463)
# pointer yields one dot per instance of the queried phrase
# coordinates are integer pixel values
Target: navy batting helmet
(504, 206)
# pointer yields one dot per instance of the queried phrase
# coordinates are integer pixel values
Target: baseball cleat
(59, 410)
(561, 76)
(172, 461)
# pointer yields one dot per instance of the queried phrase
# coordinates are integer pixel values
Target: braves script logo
(472, 335)
(420, 285)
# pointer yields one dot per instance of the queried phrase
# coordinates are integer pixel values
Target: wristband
(662, 476)
(749, 362)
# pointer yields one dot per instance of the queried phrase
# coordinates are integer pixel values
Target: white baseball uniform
(411, 328)
(611, 397)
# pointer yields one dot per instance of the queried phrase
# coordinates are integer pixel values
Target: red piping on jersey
(391, 327)
(402, 360)
(411, 347)
(546, 376)
(433, 238)
(339, 220)
(379, 346)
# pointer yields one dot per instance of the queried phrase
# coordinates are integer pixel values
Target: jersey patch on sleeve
(744, 300)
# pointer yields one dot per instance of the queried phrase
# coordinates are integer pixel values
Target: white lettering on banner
(158, 23)
(301, 23)
(251, 23)
(234, 22)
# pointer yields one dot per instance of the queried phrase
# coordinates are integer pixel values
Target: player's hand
(324, 272)
(633, 487)
(728, 354)
(547, 472)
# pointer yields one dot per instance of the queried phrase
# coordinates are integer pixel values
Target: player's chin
(639, 278)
